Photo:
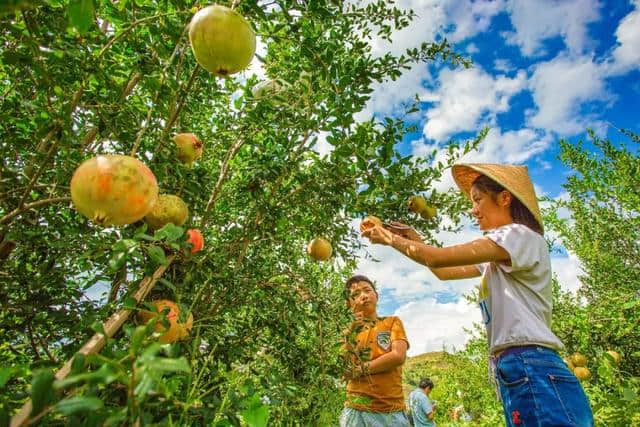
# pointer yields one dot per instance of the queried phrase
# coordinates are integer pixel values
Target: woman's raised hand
(403, 230)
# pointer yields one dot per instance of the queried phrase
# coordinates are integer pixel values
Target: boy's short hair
(355, 279)
(426, 382)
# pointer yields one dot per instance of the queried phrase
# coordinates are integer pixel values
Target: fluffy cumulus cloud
(470, 17)
(430, 326)
(535, 21)
(513, 146)
(467, 98)
(561, 89)
(626, 55)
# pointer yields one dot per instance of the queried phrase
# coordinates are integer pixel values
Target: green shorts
(353, 418)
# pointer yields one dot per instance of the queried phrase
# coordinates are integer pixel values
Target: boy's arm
(387, 361)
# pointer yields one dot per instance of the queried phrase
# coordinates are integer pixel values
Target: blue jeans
(539, 390)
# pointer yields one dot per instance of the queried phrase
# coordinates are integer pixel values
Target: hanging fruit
(222, 41)
(113, 189)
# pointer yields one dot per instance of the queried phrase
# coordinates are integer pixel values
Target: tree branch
(24, 208)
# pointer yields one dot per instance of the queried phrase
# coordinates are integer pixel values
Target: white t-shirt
(515, 299)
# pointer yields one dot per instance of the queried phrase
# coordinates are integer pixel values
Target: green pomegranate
(168, 209)
(112, 189)
(269, 89)
(420, 206)
(222, 40)
(189, 147)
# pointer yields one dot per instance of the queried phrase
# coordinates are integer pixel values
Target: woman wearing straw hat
(535, 386)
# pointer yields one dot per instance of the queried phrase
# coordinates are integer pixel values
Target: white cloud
(471, 17)
(626, 55)
(567, 270)
(561, 88)
(387, 97)
(467, 98)
(431, 16)
(535, 21)
(514, 146)
(321, 146)
(430, 325)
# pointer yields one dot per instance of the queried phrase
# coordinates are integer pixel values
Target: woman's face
(490, 213)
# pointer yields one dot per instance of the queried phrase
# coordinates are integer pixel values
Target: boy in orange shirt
(374, 390)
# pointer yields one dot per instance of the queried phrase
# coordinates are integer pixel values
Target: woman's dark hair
(519, 212)
(355, 279)
(426, 382)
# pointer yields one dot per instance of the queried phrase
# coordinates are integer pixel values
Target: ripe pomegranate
(582, 373)
(319, 249)
(370, 222)
(196, 239)
(168, 209)
(222, 40)
(616, 356)
(112, 189)
(578, 360)
(189, 147)
(176, 330)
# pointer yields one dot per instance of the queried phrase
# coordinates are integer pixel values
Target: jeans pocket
(511, 373)
(573, 400)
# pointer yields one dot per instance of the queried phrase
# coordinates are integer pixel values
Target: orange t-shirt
(378, 392)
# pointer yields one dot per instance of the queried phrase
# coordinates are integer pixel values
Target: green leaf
(156, 253)
(170, 365)
(630, 304)
(169, 232)
(42, 391)
(73, 405)
(629, 394)
(124, 245)
(81, 14)
(167, 283)
(257, 414)
(5, 375)
(117, 260)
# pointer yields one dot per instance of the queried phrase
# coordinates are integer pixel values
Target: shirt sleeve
(521, 244)
(427, 407)
(397, 331)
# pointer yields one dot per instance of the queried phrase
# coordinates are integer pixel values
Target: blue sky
(544, 70)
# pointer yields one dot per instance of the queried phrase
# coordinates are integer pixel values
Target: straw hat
(511, 177)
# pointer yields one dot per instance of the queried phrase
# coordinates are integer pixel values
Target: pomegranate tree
(222, 40)
(113, 189)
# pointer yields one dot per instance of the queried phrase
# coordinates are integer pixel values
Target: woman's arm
(467, 254)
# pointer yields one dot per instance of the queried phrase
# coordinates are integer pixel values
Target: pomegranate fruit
(112, 189)
(189, 147)
(578, 360)
(222, 41)
(369, 222)
(167, 209)
(582, 373)
(269, 89)
(176, 330)
(319, 249)
(196, 239)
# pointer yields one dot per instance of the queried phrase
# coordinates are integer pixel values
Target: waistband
(518, 350)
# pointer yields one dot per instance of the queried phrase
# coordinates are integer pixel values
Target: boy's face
(363, 299)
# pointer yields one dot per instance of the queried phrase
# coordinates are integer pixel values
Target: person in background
(374, 390)
(420, 404)
(535, 386)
